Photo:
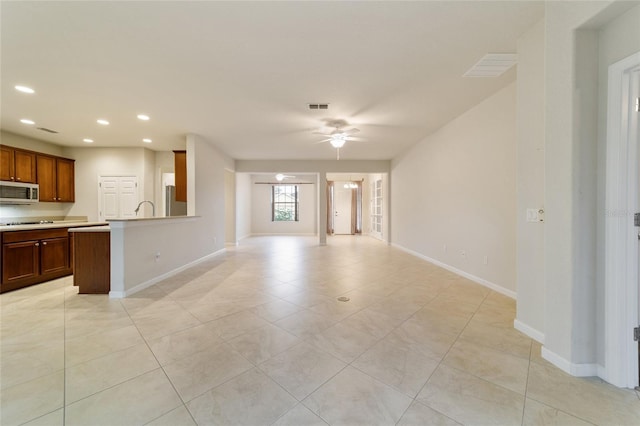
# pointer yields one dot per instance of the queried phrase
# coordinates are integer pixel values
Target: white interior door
(342, 209)
(128, 196)
(634, 139)
(376, 208)
(117, 197)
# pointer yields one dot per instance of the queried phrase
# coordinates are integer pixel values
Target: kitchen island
(145, 251)
(92, 259)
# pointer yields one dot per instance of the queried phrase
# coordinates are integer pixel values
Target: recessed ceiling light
(143, 117)
(87, 140)
(147, 140)
(103, 122)
(27, 121)
(25, 89)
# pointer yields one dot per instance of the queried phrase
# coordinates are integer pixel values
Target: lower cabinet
(30, 257)
(21, 261)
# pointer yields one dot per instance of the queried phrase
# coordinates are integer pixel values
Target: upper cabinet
(180, 163)
(17, 165)
(56, 179)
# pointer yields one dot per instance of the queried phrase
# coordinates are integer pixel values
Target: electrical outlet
(157, 258)
(463, 254)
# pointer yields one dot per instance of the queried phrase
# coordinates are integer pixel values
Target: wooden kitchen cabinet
(180, 170)
(21, 261)
(54, 255)
(56, 179)
(92, 260)
(30, 257)
(17, 165)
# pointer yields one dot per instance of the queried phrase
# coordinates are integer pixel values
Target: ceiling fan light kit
(338, 141)
(338, 132)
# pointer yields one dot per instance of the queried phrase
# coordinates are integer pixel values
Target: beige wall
(572, 61)
(530, 182)
(230, 207)
(456, 188)
(261, 223)
(18, 141)
(243, 205)
(94, 162)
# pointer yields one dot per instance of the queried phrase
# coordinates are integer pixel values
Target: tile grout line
(160, 367)
(445, 356)
(526, 386)
(64, 354)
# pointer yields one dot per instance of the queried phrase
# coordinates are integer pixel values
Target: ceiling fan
(338, 132)
(280, 177)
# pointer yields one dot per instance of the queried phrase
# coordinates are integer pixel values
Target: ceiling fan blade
(350, 131)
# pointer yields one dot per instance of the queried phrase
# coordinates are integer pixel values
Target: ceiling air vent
(492, 65)
(318, 106)
(44, 129)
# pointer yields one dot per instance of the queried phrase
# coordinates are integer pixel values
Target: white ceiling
(240, 74)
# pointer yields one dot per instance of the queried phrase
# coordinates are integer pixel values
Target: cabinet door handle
(12, 178)
(18, 179)
(44, 243)
(37, 244)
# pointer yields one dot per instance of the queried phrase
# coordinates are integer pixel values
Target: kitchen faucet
(153, 207)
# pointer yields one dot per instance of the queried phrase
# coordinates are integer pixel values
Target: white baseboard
(481, 281)
(149, 283)
(577, 370)
(285, 234)
(536, 335)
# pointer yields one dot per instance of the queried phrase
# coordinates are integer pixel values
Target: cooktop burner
(39, 222)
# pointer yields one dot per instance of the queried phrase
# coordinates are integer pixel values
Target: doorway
(622, 249)
(342, 208)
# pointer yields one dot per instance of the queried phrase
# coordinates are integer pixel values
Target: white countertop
(55, 224)
(101, 228)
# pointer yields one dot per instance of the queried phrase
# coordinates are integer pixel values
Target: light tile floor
(257, 337)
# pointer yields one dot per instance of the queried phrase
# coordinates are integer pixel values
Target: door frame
(621, 244)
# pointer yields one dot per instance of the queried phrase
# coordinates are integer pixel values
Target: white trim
(155, 280)
(282, 234)
(621, 246)
(536, 335)
(481, 281)
(577, 370)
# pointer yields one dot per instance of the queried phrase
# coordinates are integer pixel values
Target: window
(284, 203)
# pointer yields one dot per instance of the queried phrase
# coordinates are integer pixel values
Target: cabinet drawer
(36, 234)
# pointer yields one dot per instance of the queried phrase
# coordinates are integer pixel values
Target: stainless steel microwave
(19, 193)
